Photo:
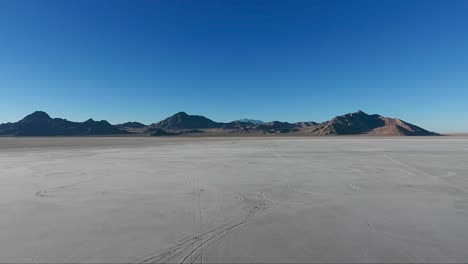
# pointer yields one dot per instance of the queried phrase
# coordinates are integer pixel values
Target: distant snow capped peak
(253, 121)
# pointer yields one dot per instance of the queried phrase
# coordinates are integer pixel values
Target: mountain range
(358, 123)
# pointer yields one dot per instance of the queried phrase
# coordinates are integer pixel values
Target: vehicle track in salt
(48, 192)
(189, 249)
(444, 186)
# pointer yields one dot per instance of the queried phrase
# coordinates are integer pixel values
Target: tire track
(413, 169)
(46, 192)
(189, 249)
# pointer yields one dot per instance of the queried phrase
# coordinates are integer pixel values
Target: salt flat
(234, 200)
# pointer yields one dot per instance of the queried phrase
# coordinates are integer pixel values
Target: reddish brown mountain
(362, 123)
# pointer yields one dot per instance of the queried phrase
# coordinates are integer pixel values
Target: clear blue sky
(285, 60)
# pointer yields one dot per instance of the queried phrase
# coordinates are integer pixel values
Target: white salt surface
(234, 200)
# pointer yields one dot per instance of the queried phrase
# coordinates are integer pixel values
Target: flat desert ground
(144, 200)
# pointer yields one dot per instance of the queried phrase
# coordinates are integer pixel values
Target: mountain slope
(397, 127)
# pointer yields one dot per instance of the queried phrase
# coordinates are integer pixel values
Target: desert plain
(195, 200)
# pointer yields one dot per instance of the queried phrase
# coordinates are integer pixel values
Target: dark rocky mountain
(130, 125)
(183, 121)
(362, 123)
(41, 124)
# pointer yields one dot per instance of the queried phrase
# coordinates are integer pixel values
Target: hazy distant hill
(41, 124)
(248, 120)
